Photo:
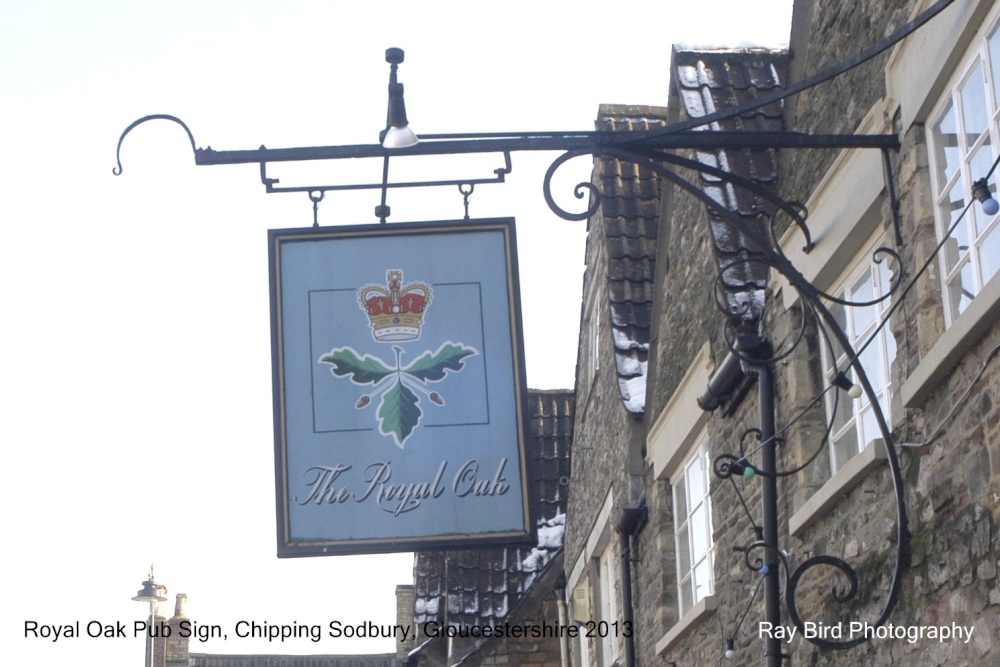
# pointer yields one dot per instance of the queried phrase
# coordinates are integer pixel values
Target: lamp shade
(399, 137)
(149, 592)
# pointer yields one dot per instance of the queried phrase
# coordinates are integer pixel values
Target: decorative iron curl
(579, 191)
(793, 209)
(117, 171)
(811, 297)
(758, 564)
(841, 595)
(894, 284)
(735, 323)
(798, 212)
(727, 465)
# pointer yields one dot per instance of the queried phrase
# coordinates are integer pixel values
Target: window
(609, 606)
(854, 425)
(580, 610)
(693, 529)
(592, 581)
(963, 140)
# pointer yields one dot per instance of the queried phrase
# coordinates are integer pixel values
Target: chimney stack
(176, 645)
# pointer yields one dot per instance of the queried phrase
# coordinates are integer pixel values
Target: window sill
(703, 608)
(845, 479)
(964, 332)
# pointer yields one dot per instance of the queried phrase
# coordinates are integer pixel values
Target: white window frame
(678, 432)
(584, 645)
(867, 451)
(607, 575)
(585, 575)
(853, 424)
(971, 256)
(688, 508)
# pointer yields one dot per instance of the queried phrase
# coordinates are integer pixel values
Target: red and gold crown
(396, 311)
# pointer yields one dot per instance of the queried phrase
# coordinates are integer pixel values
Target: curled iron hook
(158, 116)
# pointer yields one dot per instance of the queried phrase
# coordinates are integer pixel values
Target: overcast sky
(136, 356)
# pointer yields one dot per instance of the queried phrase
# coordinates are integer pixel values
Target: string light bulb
(981, 191)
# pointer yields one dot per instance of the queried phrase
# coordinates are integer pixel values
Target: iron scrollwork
(728, 465)
(651, 150)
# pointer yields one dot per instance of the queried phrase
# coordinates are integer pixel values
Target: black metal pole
(769, 511)
(630, 522)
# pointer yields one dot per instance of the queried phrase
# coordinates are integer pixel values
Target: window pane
(693, 530)
(956, 246)
(974, 113)
(989, 254)
(696, 480)
(844, 448)
(869, 427)
(844, 410)
(703, 579)
(839, 314)
(699, 533)
(871, 361)
(961, 289)
(862, 292)
(683, 551)
(687, 595)
(680, 502)
(946, 153)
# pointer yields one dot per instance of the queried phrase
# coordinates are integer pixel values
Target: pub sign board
(399, 389)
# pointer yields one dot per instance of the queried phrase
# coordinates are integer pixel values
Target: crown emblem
(396, 311)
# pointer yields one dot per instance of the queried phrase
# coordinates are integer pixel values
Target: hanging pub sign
(399, 390)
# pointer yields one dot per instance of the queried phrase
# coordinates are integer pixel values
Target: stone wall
(529, 651)
(952, 488)
(604, 431)
(947, 438)
(832, 32)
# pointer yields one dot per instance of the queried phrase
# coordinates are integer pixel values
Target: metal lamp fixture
(150, 592)
(397, 132)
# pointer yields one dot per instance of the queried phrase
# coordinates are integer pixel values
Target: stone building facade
(686, 318)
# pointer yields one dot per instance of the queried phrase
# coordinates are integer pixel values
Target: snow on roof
(708, 80)
(629, 213)
(481, 586)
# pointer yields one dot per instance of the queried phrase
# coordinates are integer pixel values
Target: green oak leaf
(399, 412)
(433, 366)
(363, 370)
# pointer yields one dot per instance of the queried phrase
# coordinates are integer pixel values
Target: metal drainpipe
(563, 622)
(769, 508)
(629, 524)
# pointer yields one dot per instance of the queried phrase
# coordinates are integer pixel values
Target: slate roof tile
(629, 218)
(482, 586)
(710, 80)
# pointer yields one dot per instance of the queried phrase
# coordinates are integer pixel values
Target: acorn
(363, 401)
(436, 397)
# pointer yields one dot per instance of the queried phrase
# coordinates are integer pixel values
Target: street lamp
(151, 593)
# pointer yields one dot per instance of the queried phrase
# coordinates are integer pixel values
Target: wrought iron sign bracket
(658, 151)
(271, 184)
(635, 146)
